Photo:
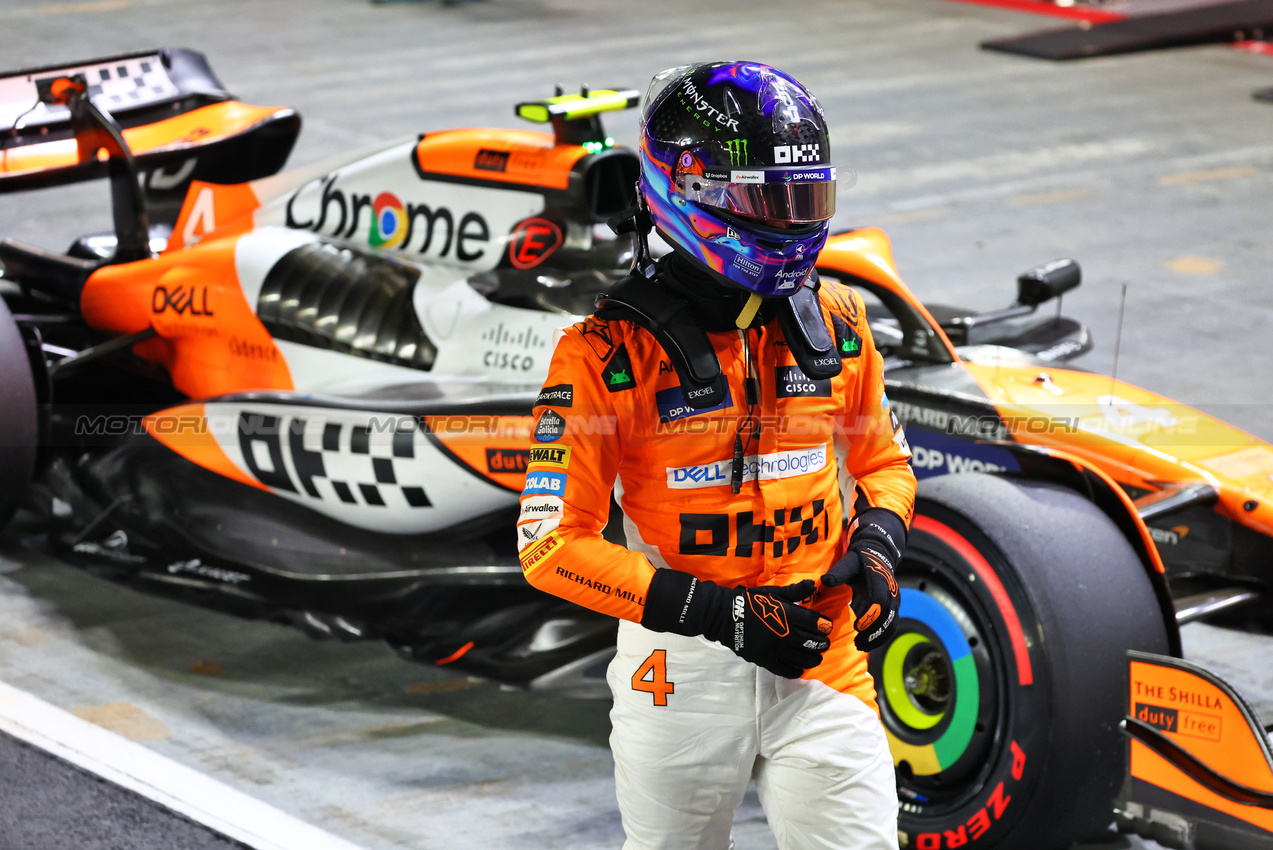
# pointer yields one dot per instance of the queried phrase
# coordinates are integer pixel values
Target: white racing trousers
(819, 757)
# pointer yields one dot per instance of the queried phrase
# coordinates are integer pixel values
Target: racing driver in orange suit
(734, 405)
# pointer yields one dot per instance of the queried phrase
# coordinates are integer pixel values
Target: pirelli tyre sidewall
(19, 417)
(1003, 687)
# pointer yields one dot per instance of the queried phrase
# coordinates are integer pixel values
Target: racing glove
(763, 625)
(876, 541)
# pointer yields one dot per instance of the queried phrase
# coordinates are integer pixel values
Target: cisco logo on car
(505, 360)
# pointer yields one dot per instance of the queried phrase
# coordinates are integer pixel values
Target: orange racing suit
(611, 415)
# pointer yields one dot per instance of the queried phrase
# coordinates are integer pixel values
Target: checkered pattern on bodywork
(356, 461)
(128, 82)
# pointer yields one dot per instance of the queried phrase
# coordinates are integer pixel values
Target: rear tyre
(1002, 690)
(19, 417)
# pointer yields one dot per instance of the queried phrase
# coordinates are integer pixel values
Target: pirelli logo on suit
(533, 557)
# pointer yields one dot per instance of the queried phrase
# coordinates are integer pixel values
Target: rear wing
(576, 117)
(177, 118)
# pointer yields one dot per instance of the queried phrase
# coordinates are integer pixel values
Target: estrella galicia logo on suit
(545, 484)
(792, 382)
(672, 405)
(558, 395)
(550, 427)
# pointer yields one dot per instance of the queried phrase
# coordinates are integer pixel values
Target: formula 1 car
(306, 396)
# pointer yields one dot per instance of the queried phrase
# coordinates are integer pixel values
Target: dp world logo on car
(934, 460)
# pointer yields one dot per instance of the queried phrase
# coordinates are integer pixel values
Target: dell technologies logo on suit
(765, 467)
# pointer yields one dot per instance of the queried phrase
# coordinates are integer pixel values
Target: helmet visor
(779, 195)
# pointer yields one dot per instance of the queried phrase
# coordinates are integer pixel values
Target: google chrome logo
(389, 223)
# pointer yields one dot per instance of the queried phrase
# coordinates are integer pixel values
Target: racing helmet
(736, 172)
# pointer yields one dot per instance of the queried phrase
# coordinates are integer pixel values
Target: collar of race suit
(715, 305)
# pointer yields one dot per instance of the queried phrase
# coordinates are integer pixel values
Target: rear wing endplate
(575, 117)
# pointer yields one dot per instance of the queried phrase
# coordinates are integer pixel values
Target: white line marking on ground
(172, 785)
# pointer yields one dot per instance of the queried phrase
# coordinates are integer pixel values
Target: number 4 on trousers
(657, 684)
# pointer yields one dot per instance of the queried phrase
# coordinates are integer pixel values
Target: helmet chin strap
(748, 313)
(637, 221)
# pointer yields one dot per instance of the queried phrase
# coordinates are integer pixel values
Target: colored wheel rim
(936, 689)
(908, 679)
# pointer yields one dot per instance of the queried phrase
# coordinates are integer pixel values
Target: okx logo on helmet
(736, 171)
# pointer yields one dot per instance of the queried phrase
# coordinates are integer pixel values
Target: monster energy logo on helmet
(705, 109)
(737, 151)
